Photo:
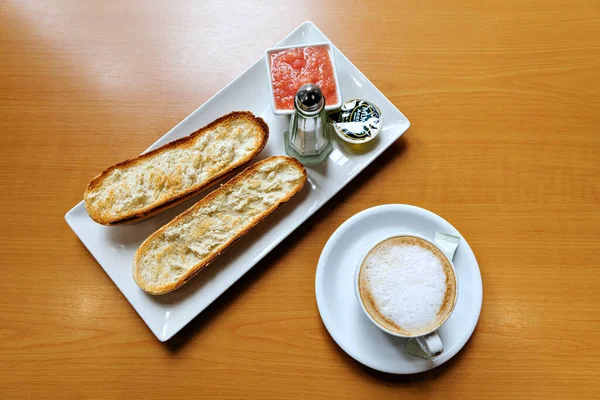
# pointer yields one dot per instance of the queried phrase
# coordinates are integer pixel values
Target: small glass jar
(308, 138)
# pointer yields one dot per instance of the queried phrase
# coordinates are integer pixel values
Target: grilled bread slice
(179, 250)
(140, 187)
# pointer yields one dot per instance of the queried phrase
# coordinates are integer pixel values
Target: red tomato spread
(292, 68)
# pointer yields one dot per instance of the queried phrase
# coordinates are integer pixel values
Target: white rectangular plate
(114, 247)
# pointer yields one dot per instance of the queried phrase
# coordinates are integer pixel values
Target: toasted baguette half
(157, 180)
(179, 250)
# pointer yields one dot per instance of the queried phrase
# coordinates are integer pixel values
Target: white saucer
(341, 313)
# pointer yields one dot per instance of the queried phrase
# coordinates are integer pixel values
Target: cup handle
(431, 344)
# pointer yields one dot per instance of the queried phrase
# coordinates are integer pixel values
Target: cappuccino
(407, 285)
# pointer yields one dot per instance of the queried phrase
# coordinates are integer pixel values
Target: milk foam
(407, 283)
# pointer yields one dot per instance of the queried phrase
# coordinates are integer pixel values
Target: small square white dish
(330, 51)
(114, 246)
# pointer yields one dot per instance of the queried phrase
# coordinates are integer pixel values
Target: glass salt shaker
(308, 138)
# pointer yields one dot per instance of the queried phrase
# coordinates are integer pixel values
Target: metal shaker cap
(309, 98)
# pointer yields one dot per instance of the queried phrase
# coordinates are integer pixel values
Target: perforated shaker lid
(309, 98)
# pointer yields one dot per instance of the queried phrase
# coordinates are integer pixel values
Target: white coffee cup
(429, 341)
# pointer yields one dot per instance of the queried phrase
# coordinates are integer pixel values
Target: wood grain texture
(504, 96)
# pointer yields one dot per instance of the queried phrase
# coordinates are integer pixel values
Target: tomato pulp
(292, 68)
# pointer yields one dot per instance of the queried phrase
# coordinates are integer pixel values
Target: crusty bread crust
(166, 288)
(184, 142)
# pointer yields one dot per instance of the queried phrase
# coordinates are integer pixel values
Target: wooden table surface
(504, 100)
